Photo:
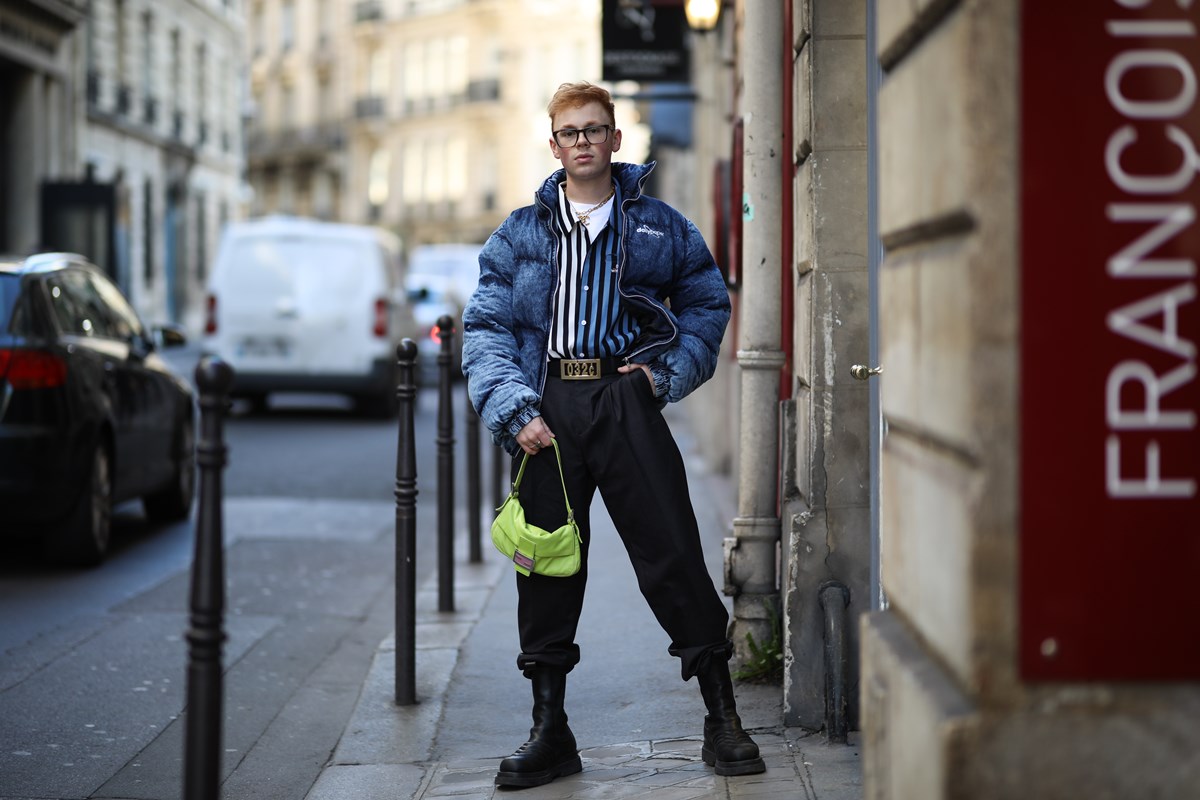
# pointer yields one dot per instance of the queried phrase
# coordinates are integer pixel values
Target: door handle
(861, 371)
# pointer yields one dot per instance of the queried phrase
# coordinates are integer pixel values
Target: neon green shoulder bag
(530, 548)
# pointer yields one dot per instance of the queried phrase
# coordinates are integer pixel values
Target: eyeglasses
(569, 137)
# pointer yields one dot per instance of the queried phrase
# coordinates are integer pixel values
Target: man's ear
(616, 139)
(553, 147)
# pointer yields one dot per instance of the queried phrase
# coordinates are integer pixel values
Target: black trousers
(613, 438)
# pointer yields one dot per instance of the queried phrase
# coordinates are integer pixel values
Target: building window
(324, 21)
(202, 93)
(379, 178)
(201, 236)
(148, 54)
(414, 158)
(121, 44)
(326, 104)
(414, 73)
(435, 68)
(435, 171)
(148, 232)
(287, 107)
(258, 28)
(377, 78)
(287, 25)
(456, 67)
(176, 66)
(456, 168)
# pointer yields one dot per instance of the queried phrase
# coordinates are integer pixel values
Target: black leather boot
(550, 752)
(727, 747)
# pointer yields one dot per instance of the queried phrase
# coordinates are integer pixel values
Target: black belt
(583, 369)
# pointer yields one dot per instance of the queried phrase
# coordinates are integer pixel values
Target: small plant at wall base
(765, 664)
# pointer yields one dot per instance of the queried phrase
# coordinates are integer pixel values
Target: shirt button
(584, 322)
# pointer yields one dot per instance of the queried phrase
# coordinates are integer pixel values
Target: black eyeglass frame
(576, 131)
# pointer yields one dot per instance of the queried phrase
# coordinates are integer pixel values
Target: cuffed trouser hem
(691, 659)
(563, 662)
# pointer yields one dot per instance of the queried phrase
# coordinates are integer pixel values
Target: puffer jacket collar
(630, 177)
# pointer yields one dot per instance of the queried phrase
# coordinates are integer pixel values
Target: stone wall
(945, 714)
(826, 479)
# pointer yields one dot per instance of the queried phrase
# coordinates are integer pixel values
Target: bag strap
(562, 478)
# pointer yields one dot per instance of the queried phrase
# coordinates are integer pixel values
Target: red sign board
(1110, 329)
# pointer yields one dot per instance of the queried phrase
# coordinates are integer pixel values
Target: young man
(596, 306)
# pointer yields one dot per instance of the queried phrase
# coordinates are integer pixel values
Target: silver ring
(536, 445)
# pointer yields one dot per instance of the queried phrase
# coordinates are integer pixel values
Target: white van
(298, 305)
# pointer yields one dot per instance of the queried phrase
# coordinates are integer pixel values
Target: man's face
(585, 160)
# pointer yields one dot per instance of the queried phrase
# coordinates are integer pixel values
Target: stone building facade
(426, 117)
(950, 709)
(126, 140)
(882, 147)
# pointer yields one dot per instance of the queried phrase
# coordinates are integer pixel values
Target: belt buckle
(579, 369)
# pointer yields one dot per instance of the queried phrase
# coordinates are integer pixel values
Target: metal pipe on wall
(751, 555)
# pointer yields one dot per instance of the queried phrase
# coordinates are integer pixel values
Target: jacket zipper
(621, 274)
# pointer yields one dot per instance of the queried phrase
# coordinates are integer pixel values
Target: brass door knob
(862, 371)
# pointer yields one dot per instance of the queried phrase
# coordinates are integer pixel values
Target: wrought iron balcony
(310, 141)
(369, 107)
(479, 91)
(368, 11)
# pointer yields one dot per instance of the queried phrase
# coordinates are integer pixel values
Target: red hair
(574, 95)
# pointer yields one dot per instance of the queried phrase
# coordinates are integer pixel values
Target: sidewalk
(637, 724)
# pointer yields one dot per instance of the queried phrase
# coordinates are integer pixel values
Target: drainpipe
(751, 555)
(834, 598)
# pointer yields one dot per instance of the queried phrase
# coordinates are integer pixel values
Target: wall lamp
(702, 15)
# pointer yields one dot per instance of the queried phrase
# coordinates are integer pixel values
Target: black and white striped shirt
(588, 319)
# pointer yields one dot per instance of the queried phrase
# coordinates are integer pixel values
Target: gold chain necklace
(583, 215)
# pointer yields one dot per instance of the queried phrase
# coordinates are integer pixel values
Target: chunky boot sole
(524, 780)
(750, 766)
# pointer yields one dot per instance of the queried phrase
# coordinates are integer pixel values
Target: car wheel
(83, 539)
(174, 502)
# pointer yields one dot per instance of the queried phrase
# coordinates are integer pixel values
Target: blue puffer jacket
(506, 324)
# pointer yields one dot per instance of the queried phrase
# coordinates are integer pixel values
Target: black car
(90, 414)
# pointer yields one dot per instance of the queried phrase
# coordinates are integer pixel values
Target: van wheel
(83, 539)
(257, 402)
(380, 406)
(174, 501)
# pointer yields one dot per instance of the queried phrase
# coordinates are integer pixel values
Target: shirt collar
(566, 218)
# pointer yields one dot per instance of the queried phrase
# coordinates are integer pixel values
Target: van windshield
(306, 268)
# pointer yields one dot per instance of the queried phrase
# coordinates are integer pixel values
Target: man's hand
(534, 436)
(644, 368)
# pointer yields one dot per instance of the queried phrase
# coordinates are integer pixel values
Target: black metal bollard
(445, 448)
(406, 531)
(202, 745)
(474, 490)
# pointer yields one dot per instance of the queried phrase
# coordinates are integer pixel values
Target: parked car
(90, 413)
(441, 279)
(299, 305)
(448, 270)
(429, 306)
